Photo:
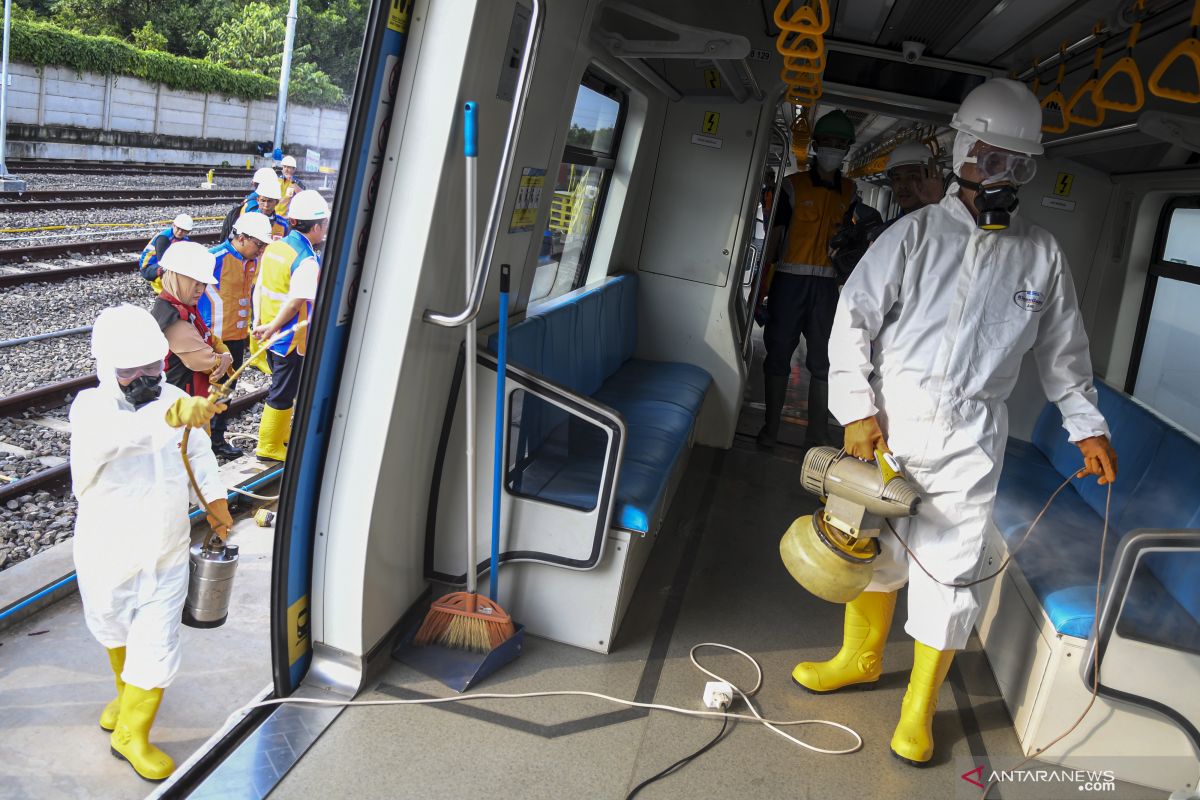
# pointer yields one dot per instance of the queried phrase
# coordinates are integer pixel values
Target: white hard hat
(265, 174)
(254, 225)
(190, 259)
(270, 189)
(288, 161)
(907, 154)
(1002, 113)
(127, 336)
(308, 205)
(183, 221)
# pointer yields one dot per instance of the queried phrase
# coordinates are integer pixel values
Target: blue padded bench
(584, 342)
(1159, 475)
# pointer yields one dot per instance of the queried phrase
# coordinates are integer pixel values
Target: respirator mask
(1002, 172)
(830, 158)
(141, 385)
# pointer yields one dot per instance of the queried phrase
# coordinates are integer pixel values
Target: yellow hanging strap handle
(217, 393)
(1124, 66)
(1037, 79)
(1085, 91)
(1188, 48)
(801, 42)
(1056, 101)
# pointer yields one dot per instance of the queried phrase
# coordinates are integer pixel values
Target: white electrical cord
(757, 718)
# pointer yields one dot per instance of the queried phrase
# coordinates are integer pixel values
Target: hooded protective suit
(929, 334)
(132, 532)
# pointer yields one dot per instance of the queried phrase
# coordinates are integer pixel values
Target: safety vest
(817, 213)
(225, 305)
(279, 225)
(149, 259)
(285, 184)
(275, 270)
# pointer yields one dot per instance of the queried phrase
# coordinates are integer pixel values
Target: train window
(1168, 324)
(580, 185)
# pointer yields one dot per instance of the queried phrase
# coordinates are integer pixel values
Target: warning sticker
(398, 15)
(1062, 184)
(298, 629)
(706, 141)
(529, 198)
(712, 78)
(712, 119)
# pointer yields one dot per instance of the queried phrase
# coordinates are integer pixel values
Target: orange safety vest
(226, 305)
(817, 213)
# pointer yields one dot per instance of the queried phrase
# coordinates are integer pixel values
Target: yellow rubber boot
(272, 430)
(108, 717)
(913, 740)
(868, 620)
(131, 739)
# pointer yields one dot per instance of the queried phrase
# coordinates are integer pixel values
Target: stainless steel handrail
(756, 279)
(516, 118)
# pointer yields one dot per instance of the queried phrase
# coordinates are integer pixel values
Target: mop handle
(471, 152)
(501, 422)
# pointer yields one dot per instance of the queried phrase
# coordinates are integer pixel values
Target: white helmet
(1002, 113)
(909, 153)
(265, 174)
(253, 224)
(190, 259)
(270, 189)
(308, 205)
(127, 336)
(288, 161)
(183, 221)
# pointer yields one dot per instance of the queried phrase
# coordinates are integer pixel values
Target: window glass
(580, 185)
(1183, 237)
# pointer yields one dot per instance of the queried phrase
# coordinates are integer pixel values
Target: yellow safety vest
(817, 213)
(276, 266)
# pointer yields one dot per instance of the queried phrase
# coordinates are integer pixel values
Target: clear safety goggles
(996, 166)
(146, 370)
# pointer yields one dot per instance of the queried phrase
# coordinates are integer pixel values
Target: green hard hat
(835, 123)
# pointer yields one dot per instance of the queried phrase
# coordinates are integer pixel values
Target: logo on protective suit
(1029, 299)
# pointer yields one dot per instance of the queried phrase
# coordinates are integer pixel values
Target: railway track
(85, 247)
(137, 168)
(55, 476)
(57, 200)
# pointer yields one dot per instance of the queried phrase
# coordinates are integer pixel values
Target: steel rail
(25, 206)
(54, 476)
(127, 191)
(89, 247)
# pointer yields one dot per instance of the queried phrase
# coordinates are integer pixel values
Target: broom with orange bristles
(466, 620)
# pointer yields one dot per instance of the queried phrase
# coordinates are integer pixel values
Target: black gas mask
(994, 202)
(142, 390)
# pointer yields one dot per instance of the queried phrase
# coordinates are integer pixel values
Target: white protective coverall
(132, 532)
(929, 334)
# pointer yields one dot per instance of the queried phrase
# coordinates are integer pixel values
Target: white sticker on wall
(759, 55)
(706, 141)
(1059, 203)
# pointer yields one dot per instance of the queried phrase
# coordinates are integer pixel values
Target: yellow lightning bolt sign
(712, 78)
(712, 119)
(1062, 184)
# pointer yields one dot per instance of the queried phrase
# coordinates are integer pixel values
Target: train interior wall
(399, 369)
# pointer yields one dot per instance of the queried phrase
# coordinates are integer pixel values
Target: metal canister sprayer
(210, 583)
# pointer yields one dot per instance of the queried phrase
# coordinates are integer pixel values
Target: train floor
(714, 576)
(55, 680)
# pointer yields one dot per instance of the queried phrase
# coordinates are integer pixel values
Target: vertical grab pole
(471, 151)
(501, 424)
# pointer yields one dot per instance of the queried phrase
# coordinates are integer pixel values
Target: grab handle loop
(1056, 100)
(1189, 48)
(811, 19)
(1085, 92)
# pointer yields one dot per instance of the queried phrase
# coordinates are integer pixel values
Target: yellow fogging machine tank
(832, 553)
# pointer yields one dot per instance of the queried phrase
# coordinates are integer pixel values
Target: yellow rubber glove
(192, 412)
(863, 438)
(219, 518)
(1099, 458)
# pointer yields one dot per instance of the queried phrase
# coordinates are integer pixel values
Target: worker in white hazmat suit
(927, 340)
(132, 532)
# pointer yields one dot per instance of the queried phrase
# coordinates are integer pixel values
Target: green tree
(146, 38)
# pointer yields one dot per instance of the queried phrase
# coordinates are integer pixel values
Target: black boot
(818, 414)
(776, 387)
(220, 447)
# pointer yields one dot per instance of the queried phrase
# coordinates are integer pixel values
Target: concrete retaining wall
(57, 97)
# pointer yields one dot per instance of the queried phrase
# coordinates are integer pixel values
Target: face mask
(994, 202)
(830, 158)
(142, 390)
